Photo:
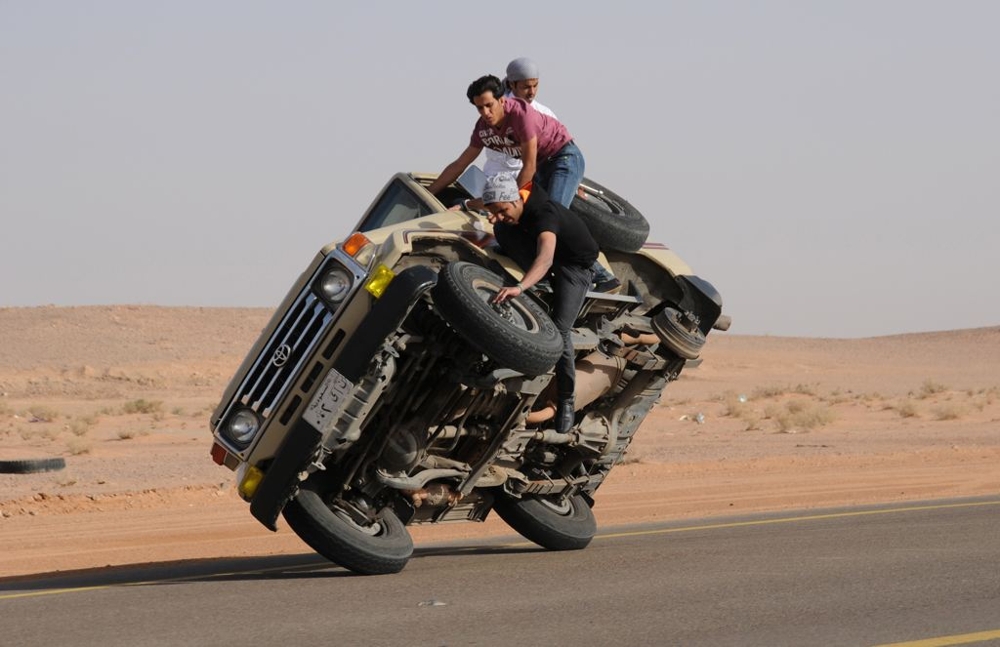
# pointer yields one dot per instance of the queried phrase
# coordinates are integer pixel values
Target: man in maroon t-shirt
(511, 126)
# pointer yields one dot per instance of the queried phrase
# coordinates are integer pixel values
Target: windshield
(397, 204)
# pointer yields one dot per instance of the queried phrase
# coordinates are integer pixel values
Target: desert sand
(123, 394)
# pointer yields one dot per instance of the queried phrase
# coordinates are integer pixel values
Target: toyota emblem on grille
(281, 355)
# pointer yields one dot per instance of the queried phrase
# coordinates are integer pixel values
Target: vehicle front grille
(281, 360)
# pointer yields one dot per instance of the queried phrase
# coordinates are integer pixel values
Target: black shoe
(565, 415)
(610, 286)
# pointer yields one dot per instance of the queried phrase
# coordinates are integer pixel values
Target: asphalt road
(919, 574)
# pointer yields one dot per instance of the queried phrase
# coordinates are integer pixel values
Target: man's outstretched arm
(539, 268)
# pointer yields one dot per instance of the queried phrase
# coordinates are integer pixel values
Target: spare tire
(517, 334)
(31, 466)
(613, 222)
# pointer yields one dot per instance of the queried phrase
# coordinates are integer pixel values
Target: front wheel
(374, 544)
(550, 522)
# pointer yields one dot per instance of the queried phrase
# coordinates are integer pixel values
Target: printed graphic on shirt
(504, 143)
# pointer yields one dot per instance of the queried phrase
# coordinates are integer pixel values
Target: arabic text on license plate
(329, 401)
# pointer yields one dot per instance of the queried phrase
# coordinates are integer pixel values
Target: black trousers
(570, 284)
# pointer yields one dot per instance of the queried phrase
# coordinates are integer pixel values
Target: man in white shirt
(521, 82)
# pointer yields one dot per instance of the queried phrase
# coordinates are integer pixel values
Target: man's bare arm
(539, 268)
(529, 157)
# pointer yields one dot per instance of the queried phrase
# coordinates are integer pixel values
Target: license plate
(330, 399)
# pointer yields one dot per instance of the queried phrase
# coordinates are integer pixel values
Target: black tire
(517, 334)
(677, 334)
(613, 222)
(31, 466)
(378, 549)
(566, 525)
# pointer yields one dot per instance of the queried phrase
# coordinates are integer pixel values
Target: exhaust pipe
(595, 375)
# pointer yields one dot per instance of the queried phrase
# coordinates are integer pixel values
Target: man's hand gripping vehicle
(387, 390)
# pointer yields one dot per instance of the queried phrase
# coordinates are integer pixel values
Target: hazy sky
(832, 167)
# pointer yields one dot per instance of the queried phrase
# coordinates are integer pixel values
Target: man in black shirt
(545, 238)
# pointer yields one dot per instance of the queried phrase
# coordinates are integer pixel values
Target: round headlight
(335, 284)
(242, 426)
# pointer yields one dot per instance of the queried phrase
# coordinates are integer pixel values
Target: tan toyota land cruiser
(388, 390)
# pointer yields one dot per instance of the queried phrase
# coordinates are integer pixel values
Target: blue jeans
(561, 174)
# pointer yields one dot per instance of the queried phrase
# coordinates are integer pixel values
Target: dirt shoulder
(123, 394)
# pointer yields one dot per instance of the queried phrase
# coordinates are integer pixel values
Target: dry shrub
(796, 406)
(805, 389)
(948, 412)
(128, 434)
(4, 409)
(77, 446)
(798, 415)
(80, 426)
(37, 432)
(867, 399)
(753, 421)
(42, 413)
(907, 409)
(143, 406)
(733, 406)
(930, 387)
(839, 397)
(764, 392)
(736, 406)
(981, 401)
(776, 391)
(989, 395)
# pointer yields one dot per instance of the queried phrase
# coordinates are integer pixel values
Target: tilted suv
(388, 390)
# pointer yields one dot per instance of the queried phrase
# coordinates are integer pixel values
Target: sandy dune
(123, 394)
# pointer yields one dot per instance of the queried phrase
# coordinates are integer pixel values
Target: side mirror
(473, 181)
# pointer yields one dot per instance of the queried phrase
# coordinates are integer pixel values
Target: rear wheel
(551, 522)
(368, 543)
(516, 334)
